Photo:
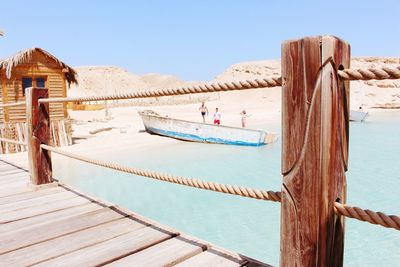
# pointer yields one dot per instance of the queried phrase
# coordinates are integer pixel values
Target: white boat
(356, 115)
(203, 132)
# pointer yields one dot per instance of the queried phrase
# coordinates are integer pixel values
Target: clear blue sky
(194, 40)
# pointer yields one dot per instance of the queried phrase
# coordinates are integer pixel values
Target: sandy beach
(263, 106)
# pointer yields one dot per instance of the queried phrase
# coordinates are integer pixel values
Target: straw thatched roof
(26, 55)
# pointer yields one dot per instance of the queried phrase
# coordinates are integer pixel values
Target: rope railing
(15, 142)
(379, 218)
(211, 186)
(12, 104)
(188, 89)
(383, 73)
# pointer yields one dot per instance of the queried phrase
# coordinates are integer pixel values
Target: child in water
(217, 117)
(244, 118)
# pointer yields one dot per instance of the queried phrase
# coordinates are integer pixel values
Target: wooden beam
(5, 97)
(315, 108)
(38, 126)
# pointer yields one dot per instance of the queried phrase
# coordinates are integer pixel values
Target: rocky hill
(109, 80)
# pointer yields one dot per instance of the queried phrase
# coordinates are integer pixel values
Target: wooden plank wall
(40, 66)
(1, 100)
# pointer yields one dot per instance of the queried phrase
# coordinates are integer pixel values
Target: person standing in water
(244, 118)
(217, 117)
(204, 111)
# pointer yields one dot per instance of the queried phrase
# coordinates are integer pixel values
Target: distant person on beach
(204, 111)
(244, 118)
(217, 117)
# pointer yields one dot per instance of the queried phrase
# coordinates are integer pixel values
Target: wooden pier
(59, 226)
(49, 224)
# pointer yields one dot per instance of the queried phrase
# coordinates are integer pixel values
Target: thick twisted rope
(383, 73)
(13, 104)
(15, 142)
(189, 89)
(272, 81)
(222, 188)
(380, 218)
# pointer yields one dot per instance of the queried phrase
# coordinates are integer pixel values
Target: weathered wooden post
(315, 108)
(38, 122)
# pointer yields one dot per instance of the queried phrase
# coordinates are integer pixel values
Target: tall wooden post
(315, 108)
(38, 122)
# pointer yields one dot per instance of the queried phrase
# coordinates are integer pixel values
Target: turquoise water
(245, 225)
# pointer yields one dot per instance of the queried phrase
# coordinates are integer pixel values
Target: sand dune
(110, 80)
(95, 80)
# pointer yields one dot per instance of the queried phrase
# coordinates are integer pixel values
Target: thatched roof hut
(26, 56)
(33, 67)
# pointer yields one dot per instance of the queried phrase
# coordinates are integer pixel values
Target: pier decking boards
(58, 226)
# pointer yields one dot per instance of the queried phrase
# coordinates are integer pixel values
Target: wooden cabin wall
(2, 119)
(39, 66)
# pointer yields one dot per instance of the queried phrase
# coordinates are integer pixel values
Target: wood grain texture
(167, 253)
(314, 150)
(20, 214)
(35, 202)
(69, 243)
(38, 125)
(49, 217)
(14, 189)
(13, 241)
(215, 258)
(29, 195)
(112, 249)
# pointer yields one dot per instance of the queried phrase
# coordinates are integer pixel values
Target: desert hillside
(368, 94)
(95, 80)
(273, 67)
(109, 80)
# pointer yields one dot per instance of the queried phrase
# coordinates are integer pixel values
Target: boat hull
(208, 133)
(357, 115)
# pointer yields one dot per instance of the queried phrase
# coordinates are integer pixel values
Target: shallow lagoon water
(249, 226)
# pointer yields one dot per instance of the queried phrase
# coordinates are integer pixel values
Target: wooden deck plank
(26, 237)
(69, 243)
(14, 189)
(63, 227)
(35, 211)
(6, 167)
(39, 201)
(111, 250)
(21, 183)
(48, 217)
(167, 253)
(7, 189)
(30, 195)
(11, 180)
(12, 172)
(213, 257)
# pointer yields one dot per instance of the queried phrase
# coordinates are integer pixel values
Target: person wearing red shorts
(217, 117)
